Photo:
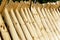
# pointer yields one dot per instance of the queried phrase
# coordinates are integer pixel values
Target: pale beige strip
(29, 26)
(48, 23)
(53, 14)
(54, 20)
(51, 22)
(36, 16)
(3, 30)
(53, 31)
(27, 34)
(48, 28)
(51, 18)
(34, 34)
(58, 21)
(17, 25)
(44, 21)
(56, 16)
(58, 12)
(36, 26)
(10, 24)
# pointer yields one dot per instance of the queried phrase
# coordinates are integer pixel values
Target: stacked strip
(38, 22)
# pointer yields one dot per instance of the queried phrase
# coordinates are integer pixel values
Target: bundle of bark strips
(27, 20)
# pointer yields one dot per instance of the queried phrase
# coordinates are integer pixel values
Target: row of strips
(33, 25)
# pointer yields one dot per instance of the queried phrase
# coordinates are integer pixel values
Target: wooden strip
(31, 22)
(58, 12)
(10, 24)
(35, 25)
(36, 17)
(57, 22)
(26, 32)
(3, 30)
(17, 25)
(51, 22)
(49, 25)
(42, 17)
(54, 20)
(31, 29)
(28, 26)
(53, 13)
(51, 17)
